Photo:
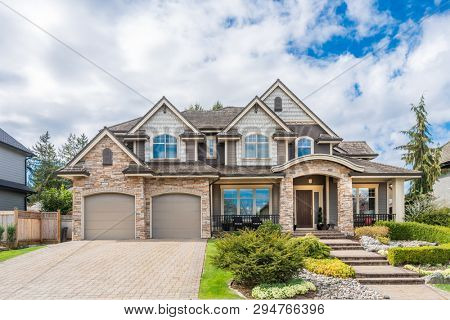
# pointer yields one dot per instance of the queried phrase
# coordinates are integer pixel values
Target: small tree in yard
(11, 235)
(2, 230)
(55, 199)
(419, 153)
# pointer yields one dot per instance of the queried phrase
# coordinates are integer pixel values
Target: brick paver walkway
(106, 270)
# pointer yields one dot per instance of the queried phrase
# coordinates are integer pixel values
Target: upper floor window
(107, 157)
(211, 147)
(305, 146)
(164, 147)
(256, 146)
(278, 104)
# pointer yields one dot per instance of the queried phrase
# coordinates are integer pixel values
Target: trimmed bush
(372, 231)
(287, 290)
(310, 247)
(416, 231)
(2, 230)
(329, 267)
(265, 255)
(10, 233)
(419, 255)
(438, 217)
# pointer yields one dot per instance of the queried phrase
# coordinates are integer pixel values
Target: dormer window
(278, 104)
(305, 146)
(164, 147)
(256, 146)
(211, 152)
(107, 157)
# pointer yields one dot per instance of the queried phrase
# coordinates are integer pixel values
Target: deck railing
(361, 220)
(235, 222)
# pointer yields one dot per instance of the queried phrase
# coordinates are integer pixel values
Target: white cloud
(182, 50)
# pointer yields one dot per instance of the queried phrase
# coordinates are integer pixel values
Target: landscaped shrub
(287, 290)
(10, 233)
(310, 246)
(372, 231)
(438, 217)
(384, 240)
(416, 231)
(419, 255)
(2, 230)
(265, 255)
(418, 205)
(54, 199)
(329, 267)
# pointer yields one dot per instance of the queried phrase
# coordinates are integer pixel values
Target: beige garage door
(109, 216)
(176, 216)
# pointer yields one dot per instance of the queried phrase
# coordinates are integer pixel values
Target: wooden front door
(304, 208)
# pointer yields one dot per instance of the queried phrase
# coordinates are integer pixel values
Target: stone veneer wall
(194, 186)
(318, 167)
(104, 179)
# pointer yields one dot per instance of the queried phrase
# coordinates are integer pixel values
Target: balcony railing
(233, 223)
(361, 220)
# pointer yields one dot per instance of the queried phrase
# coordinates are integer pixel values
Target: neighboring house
(172, 174)
(13, 173)
(441, 187)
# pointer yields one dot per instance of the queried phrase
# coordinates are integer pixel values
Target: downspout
(210, 204)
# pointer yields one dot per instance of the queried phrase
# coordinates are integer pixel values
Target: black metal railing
(233, 223)
(361, 220)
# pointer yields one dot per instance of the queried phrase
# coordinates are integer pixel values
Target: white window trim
(214, 156)
(238, 187)
(244, 143)
(296, 144)
(371, 186)
(152, 147)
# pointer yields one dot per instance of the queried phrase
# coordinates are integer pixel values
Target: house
(188, 174)
(13, 173)
(441, 188)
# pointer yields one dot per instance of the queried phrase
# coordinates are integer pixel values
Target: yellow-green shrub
(420, 255)
(372, 231)
(416, 231)
(329, 267)
(383, 240)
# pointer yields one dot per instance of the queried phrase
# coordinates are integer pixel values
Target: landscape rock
(437, 277)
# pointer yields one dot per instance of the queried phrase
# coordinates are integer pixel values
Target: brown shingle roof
(375, 168)
(124, 126)
(213, 120)
(356, 148)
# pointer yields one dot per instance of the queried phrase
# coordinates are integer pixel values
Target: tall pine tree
(71, 148)
(419, 153)
(217, 106)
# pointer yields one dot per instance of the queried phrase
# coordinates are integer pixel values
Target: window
(107, 157)
(246, 201)
(256, 146)
(164, 147)
(211, 147)
(278, 104)
(364, 199)
(305, 146)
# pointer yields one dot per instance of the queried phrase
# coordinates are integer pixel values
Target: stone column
(140, 209)
(398, 199)
(76, 212)
(345, 205)
(287, 204)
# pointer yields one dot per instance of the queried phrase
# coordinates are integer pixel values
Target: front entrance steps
(370, 267)
(321, 234)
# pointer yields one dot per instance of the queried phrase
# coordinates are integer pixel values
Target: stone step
(383, 275)
(355, 255)
(391, 281)
(345, 259)
(380, 262)
(354, 247)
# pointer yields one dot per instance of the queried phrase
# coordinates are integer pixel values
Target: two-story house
(172, 174)
(13, 173)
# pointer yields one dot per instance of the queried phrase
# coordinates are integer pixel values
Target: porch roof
(379, 169)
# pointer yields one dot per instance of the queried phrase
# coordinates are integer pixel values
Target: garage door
(109, 216)
(176, 216)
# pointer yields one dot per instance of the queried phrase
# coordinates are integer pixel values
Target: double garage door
(111, 216)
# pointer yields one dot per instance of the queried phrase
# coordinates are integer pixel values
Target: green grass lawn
(214, 282)
(5, 255)
(445, 287)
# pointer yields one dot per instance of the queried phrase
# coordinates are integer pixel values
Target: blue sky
(204, 51)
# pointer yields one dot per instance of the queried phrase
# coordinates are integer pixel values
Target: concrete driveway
(106, 270)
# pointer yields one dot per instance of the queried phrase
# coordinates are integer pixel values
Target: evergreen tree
(195, 107)
(217, 106)
(71, 148)
(43, 167)
(419, 153)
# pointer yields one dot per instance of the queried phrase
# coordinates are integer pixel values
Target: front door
(304, 208)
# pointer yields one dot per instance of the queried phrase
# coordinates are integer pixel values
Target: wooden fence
(33, 226)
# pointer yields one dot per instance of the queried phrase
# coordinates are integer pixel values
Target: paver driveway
(106, 270)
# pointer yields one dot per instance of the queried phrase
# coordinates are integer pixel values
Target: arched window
(164, 147)
(278, 104)
(256, 146)
(107, 157)
(305, 146)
